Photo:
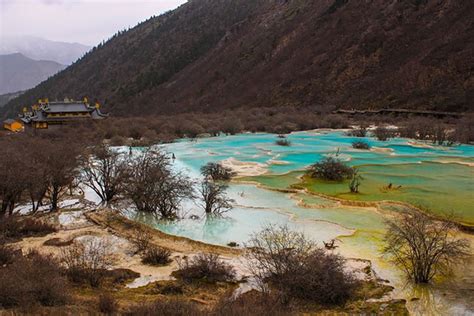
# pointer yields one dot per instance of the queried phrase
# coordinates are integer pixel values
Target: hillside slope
(18, 72)
(210, 55)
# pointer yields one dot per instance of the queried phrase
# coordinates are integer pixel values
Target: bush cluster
(205, 267)
(14, 227)
(87, 262)
(156, 256)
(173, 307)
(33, 279)
(331, 169)
(216, 172)
(107, 304)
(361, 145)
(283, 142)
(289, 265)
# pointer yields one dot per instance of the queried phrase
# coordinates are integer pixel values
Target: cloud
(84, 21)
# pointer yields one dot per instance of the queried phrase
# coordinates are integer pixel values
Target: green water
(440, 188)
(443, 189)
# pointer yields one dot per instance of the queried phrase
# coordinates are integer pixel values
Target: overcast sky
(83, 21)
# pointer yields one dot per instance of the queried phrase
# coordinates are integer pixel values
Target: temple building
(46, 113)
(13, 125)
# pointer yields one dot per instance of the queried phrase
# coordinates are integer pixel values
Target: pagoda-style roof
(9, 121)
(67, 108)
(62, 112)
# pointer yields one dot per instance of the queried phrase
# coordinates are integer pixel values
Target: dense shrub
(361, 145)
(14, 227)
(330, 169)
(216, 172)
(120, 276)
(205, 267)
(252, 304)
(107, 304)
(8, 254)
(383, 133)
(31, 280)
(359, 132)
(87, 262)
(283, 142)
(319, 277)
(171, 289)
(173, 307)
(295, 269)
(141, 240)
(156, 256)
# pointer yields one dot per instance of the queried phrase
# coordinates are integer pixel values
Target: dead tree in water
(422, 247)
(153, 187)
(104, 172)
(355, 181)
(214, 198)
(330, 245)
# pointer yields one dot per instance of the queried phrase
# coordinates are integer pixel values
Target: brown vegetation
(283, 142)
(107, 304)
(156, 256)
(17, 227)
(330, 169)
(33, 279)
(361, 145)
(213, 198)
(205, 267)
(37, 168)
(422, 247)
(216, 172)
(383, 134)
(153, 187)
(358, 132)
(86, 262)
(174, 307)
(288, 263)
(413, 54)
(103, 170)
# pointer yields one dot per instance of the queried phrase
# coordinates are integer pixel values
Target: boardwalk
(401, 111)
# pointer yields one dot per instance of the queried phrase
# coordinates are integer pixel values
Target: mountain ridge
(208, 56)
(43, 49)
(19, 72)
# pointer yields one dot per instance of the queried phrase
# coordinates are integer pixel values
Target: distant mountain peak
(19, 72)
(42, 49)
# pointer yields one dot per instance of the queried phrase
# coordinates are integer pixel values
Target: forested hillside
(211, 55)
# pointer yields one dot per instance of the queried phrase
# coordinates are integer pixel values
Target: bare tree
(104, 172)
(35, 161)
(87, 260)
(383, 133)
(153, 187)
(214, 200)
(355, 181)
(422, 247)
(216, 172)
(291, 266)
(12, 176)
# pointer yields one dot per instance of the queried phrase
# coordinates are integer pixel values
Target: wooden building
(46, 113)
(13, 125)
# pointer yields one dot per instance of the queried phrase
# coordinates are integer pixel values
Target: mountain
(18, 72)
(5, 98)
(210, 55)
(43, 49)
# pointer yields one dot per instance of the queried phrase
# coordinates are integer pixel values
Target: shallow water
(424, 179)
(436, 178)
